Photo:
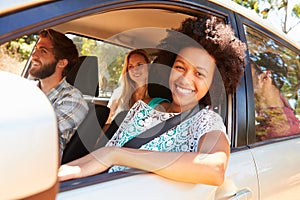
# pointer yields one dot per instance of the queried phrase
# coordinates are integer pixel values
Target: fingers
(72, 169)
(78, 169)
(67, 172)
(88, 165)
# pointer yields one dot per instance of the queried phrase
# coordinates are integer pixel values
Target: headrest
(159, 73)
(84, 75)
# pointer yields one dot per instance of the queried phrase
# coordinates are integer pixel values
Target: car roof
(123, 27)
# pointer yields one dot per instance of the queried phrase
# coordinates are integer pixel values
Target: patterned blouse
(182, 138)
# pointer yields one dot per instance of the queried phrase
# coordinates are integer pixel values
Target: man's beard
(45, 71)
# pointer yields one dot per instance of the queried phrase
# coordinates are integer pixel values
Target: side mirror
(28, 140)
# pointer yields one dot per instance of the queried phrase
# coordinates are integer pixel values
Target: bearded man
(53, 56)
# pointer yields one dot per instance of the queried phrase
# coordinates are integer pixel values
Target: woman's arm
(206, 167)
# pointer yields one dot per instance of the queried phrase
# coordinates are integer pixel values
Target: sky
(295, 32)
(11, 3)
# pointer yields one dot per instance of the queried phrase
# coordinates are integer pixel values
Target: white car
(258, 168)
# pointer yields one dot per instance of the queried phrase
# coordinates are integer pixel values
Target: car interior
(125, 29)
(84, 76)
(119, 27)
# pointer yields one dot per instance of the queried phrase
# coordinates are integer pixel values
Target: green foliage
(253, 4)
(110, 60)
(265, 7)
(21, 48)
(296, 10)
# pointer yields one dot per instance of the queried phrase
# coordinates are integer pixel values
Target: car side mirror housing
(29, 140)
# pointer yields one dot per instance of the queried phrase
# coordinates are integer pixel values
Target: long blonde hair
(129, 87)
(125, 100)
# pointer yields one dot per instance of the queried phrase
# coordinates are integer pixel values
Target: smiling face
(43, 63)
(138, 69)
(191, 77)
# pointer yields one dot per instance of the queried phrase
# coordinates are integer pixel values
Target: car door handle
(244, 194)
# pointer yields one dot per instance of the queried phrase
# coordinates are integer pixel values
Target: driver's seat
(84, 76)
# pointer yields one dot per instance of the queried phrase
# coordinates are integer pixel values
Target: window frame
(251, 138)
(191, 9)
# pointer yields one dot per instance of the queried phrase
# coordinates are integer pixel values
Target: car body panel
(160, 188)
(278, 169)
(145, 186)
(241, 174)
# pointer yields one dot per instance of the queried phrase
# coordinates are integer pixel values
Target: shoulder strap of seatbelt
(160, 128)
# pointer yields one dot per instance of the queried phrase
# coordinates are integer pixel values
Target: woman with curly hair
(197, 149)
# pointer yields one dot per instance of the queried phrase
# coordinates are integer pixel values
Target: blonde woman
(134, 79)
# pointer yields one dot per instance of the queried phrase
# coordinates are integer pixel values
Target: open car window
(111, 49)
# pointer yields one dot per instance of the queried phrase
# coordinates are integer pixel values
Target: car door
(275, 143)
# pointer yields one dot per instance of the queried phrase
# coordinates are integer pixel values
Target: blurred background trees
(14, 54)
(287, 11)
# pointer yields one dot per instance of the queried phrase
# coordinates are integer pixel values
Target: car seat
(159, 73)
(84, 76)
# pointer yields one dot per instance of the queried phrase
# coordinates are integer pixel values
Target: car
(259, 167)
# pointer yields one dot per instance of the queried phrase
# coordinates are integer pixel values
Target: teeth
(183, 90)
(137, 75)
(35, 63)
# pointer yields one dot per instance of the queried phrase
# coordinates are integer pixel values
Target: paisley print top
(182, 138)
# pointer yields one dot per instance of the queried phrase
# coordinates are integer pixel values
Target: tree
(14, 54)
(288, 11)
(110, 60)
(20, 48)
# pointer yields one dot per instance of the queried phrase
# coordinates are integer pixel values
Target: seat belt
(161, 128)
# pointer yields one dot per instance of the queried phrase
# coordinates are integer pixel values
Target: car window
(275, 75)
(110, 60)
(15, 53)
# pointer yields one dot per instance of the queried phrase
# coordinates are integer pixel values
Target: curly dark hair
(217, 39)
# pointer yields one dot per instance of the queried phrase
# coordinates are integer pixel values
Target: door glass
(110, 61)
(275, 75)
(15, 53)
